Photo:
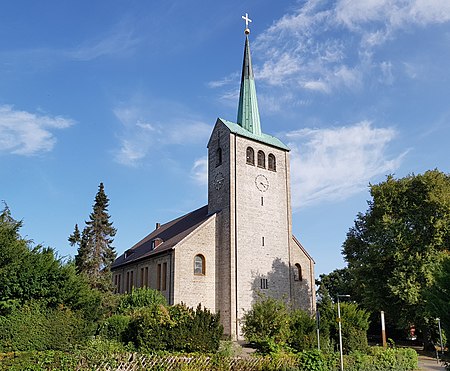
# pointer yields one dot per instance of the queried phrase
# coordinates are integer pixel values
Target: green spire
(248, 113)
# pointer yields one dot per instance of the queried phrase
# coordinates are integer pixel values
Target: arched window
(272, 164)
(298, 273)
(219, 156)
(199, 265)
(261, 159)
(250, 156)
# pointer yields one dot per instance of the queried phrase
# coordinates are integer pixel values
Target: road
(429, 364)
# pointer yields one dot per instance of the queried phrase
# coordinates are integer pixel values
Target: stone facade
(190, 288)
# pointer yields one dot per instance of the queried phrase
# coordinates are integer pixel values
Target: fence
(158, 362)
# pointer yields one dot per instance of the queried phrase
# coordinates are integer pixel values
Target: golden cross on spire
(247, 20)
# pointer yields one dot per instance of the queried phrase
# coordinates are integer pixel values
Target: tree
(438, 298)
(30, 272)
(395, 248)
(95, 252)
(338, 282)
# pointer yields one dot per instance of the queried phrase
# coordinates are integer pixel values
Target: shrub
(314, 360)
(35, 327)
(149, 328)
(195, 330)
(98, 350)
(302, 334)
(116, 328)
(355, 323)
(266, 325)
(100, 353)
(176, 328)
(377, 358)
(48, 360)
(140, 298)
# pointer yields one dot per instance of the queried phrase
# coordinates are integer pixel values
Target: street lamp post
(440, 335)
(340, 329)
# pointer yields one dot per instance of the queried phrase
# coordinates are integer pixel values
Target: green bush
(311, 361)
(266, 325)
(355, 323)
(38, 361)
(35, 327)
(140, 298)
(378, 359)
(302, 335)
(149, 328)
(98, 352)
(195, 330)
(116, 328)
(175, 328)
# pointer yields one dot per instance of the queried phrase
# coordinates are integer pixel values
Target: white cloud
(188, 132)
(231, 79)
(119, 42)
(199, 171)
(393, 13)
(333, 164)
(317, 86)
(327, 46)
(25, 133)
(277, 71)
(141, 133)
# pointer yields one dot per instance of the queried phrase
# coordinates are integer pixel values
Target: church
(239, 246)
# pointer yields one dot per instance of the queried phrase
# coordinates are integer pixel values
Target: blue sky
(127, 93)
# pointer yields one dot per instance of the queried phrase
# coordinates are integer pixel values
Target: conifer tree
(95, 252)
(75, 237)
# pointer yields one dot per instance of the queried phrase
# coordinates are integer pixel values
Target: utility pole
(440, 336)
(318, 329)
(383, 330)
(340, 330)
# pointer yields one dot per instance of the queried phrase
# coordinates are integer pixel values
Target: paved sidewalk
(429, 364)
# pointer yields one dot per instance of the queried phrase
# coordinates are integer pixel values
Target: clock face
(262, 183)
(219, 180)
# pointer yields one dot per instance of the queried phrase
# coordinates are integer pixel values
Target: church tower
(249, 190)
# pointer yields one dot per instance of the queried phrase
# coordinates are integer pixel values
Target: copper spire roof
(248, 112)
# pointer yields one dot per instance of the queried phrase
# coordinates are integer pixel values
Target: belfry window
(219, 156)
(250, 156)
(261, 159)
(298, 273)
(199, 265)
(272, 164)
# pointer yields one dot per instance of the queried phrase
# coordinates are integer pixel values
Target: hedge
(101, 355)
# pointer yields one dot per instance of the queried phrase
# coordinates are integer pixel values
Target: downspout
(235, 239)
(288, 194)
(172, 276)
